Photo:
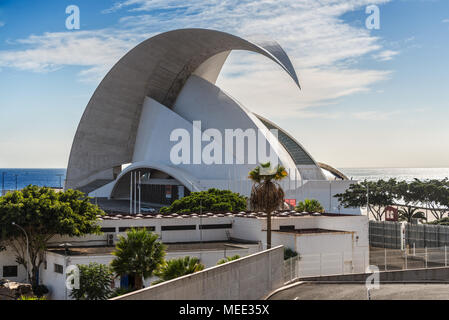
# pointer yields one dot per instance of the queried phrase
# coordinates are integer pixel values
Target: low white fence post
(291, 268)
(445, 256)
(297, 263)
(425, 253)
(405, 259)
(321, 263)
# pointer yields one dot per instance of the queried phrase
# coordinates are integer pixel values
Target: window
(9, 271)
(287, 228)
(107, 230)
(215, 226)
(124, 229)
(180, 227)
(59, 268)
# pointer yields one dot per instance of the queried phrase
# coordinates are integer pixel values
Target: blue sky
(370, 98)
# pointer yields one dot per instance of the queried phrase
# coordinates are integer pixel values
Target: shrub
(212, 200)
(289, 253)
(227, 259)
(95, 282)
(121, 291)
(175, 268)
(309, 206)
(40, 290)
(31, 298)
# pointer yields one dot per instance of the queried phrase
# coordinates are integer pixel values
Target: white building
(317, 238)
(129, 149)
(158, 128)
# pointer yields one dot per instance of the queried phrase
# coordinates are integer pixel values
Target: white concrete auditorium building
(122, 152)
(164, 90)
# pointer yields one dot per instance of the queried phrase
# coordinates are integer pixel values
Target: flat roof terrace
(171, 247)
(308, 231)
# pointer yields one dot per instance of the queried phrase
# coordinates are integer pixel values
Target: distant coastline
(55, 177)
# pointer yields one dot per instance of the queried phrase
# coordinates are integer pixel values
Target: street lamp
(66, 246)
(28, 252)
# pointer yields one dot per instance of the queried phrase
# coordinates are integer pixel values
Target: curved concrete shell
(306, 165)
(158, 68)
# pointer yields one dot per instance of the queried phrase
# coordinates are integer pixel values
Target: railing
(325, 264)
(340, 263)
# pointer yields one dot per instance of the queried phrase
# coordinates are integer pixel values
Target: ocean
(10, 179)
(401, 174)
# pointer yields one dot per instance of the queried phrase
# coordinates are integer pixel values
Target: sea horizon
(12, 178)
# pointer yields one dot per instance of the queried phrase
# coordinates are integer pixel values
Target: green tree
(95, 282)
(44, 213)
(139, 254)
(309, 206)
(410, 213)
(380, 194)
(434, 194)
(175, 268)
(212, 200)
(266, 194)
(227, 259)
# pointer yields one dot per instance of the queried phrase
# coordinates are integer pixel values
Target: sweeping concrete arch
(307, 166)
(157, 68)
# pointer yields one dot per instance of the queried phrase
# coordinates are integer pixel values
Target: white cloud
(375, 115)
(2, 24)
(385, 55)
(445, 21)
(321, 46)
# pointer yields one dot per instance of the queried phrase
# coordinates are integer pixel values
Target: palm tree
(227, 259)
(179, 267)
(309, 206)
(139, 254)
(266, 194)
(409, 213)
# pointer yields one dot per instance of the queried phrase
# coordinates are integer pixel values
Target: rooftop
(171, 247)
(242, 214)
(309, 231)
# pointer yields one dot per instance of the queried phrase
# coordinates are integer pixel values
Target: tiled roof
(242, 214)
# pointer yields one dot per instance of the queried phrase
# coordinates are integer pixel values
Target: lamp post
(28, 252)
(66, 246)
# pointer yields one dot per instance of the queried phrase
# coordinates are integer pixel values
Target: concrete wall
(56, 281)
(8, 258)
(413, 275)
(249, 278)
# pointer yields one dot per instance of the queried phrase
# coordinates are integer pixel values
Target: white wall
(8, 258)
(249, 278)
(56, 281)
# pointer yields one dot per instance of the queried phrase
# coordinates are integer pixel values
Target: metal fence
(325, 264)
(397, 235)
(410, 258)
(385, 259)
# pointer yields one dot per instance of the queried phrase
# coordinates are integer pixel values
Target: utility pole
(367, 199)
